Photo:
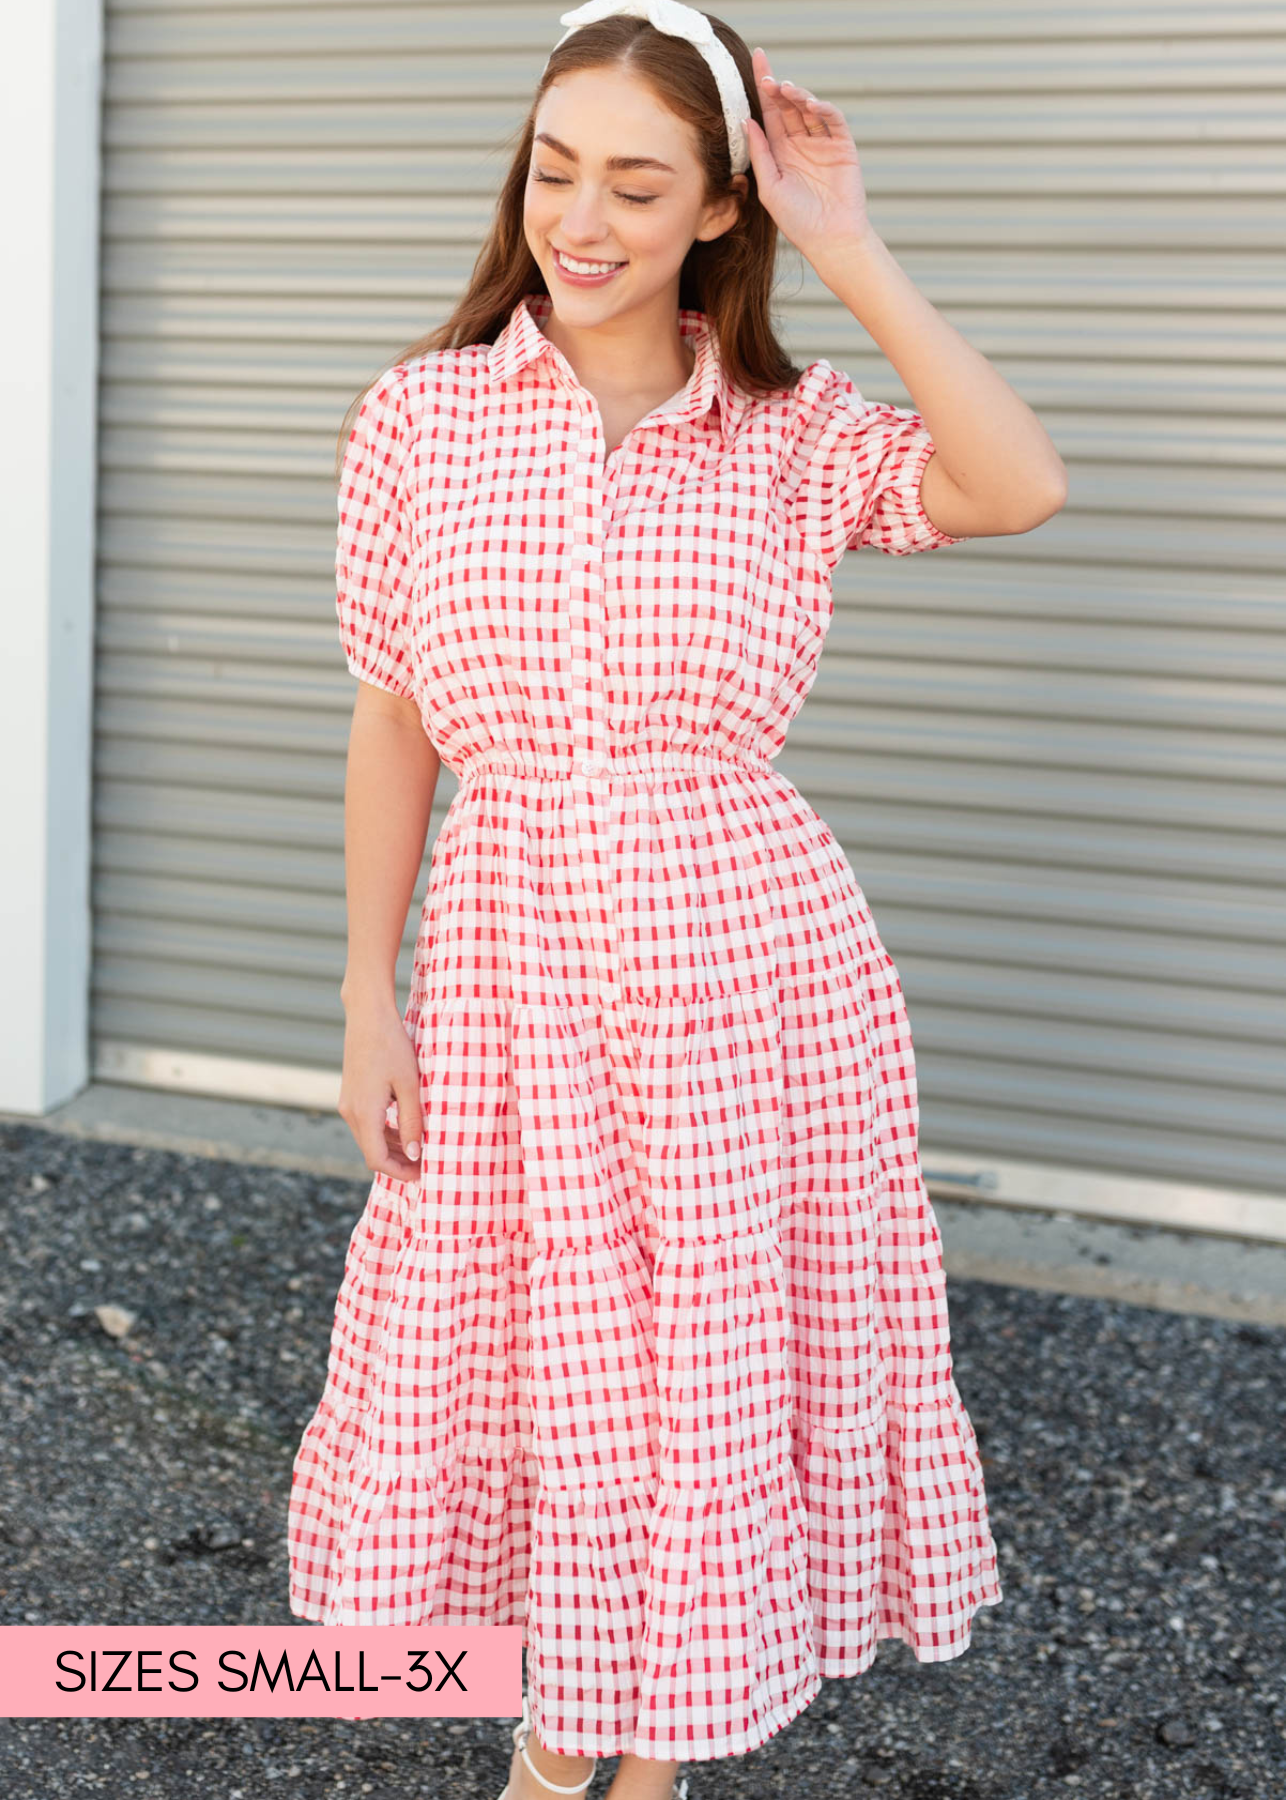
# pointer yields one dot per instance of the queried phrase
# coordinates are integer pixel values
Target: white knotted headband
(681, 21)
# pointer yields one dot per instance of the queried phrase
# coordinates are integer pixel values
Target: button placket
(592, 798)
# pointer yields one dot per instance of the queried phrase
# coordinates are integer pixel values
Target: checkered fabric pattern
(652, 1359)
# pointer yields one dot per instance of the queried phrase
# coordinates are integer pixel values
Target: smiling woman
(649, 1352)
(669, 153)
(615, 203)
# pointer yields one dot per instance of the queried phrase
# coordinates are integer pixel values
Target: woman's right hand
(380, 1065)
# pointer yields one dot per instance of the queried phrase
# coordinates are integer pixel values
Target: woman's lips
(575, 280)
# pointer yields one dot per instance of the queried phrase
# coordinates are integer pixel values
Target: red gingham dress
(653, 1358)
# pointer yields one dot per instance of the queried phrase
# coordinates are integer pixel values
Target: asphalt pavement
(1135, 1459)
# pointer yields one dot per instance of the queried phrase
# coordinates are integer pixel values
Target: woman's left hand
(806, 165)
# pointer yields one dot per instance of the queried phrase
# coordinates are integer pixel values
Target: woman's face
(644, 217)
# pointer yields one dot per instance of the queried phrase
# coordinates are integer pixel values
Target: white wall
(50, 85)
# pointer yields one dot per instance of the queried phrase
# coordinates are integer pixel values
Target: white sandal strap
(521, 1733)
(553, 1785)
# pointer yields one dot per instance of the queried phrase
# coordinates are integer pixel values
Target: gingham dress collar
(522, 341)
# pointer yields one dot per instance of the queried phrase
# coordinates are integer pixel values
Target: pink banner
(260, 1671)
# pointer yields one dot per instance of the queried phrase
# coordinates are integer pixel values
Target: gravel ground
(1135, 1460)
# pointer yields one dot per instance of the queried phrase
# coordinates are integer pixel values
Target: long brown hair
(729, 279)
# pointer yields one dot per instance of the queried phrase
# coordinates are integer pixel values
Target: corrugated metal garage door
(1053, 760)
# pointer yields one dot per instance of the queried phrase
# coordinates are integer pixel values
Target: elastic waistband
(626, 765)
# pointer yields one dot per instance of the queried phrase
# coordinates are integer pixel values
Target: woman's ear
(724, 213)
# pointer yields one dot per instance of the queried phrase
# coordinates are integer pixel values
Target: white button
(591, 765)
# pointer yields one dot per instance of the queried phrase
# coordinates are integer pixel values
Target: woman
(642, 1341)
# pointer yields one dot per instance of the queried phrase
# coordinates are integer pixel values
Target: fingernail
(413, 1151)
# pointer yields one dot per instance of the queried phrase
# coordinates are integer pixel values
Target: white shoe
(520, 1735)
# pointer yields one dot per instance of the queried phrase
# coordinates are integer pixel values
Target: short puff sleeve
(851, 469)
(373, 570)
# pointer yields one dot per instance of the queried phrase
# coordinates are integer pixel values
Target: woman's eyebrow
(613, 162)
